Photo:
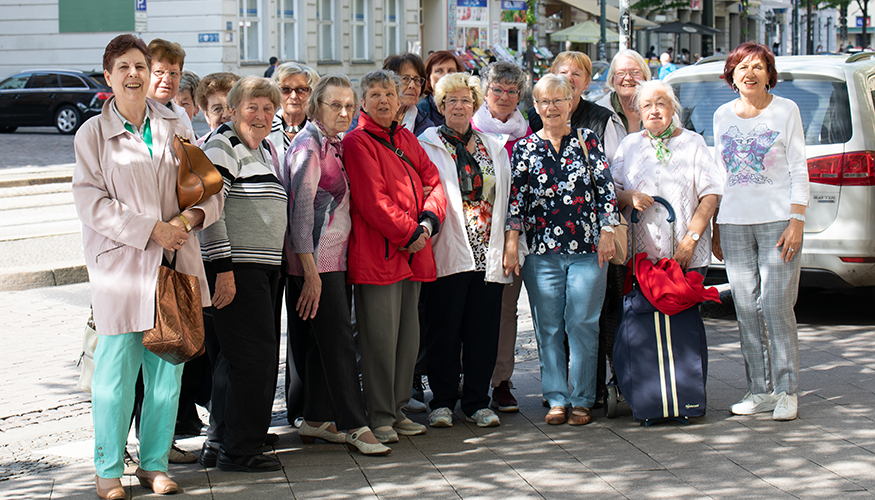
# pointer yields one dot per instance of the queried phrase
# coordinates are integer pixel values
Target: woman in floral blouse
(562, 199)
(463, 307)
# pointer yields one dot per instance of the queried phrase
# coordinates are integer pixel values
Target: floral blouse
(478, 213)
(557, 199)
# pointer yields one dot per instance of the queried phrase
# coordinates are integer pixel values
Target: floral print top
(478, 213)
(557, 199)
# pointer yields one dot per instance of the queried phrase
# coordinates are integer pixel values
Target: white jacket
(452, 251)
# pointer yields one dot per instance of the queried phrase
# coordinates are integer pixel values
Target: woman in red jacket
(397, 204)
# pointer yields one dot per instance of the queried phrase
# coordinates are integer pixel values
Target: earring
(735, 88)
(768, 87)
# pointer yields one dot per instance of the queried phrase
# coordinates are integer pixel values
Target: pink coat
(120, 193)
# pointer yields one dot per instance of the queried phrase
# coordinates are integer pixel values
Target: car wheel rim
(67, 120)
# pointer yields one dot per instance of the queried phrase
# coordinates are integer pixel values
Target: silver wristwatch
(694, 235)
(799, 217)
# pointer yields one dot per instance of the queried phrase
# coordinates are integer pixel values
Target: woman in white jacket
(463, 307)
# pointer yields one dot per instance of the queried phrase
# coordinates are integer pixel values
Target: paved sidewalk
(829, 452)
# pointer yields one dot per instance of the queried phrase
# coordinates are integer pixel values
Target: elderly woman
(124, 187)
(212, 97)
(295, 81)
(390, 250)
(577, 68)
(167, 61)
(412, 72)
(761, 220)
(438, 64)
(503, 85)
(463, 306)
(627, 70)
(668, 161)
(244, 248)
(316, 248)
(185, 97)
(562, 197)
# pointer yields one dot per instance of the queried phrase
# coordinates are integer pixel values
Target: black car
(63, 98)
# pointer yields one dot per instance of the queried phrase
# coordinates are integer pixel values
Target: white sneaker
(786, 407)
(441, 417)
(484, 417)
(754, 403)
(414, 406)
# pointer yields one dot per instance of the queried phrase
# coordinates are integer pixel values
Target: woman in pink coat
(124, 186)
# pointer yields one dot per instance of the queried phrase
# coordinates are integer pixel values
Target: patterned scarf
(470, 176)
(337, 142)
(659, 142)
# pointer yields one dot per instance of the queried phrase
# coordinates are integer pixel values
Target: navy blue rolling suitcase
(661, 361)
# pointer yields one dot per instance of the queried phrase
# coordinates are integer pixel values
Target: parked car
(62, 98)
(835, 99)
(597, 85)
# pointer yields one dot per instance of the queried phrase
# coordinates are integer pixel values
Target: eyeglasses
(500, 92)
(465, 102)
(636, 74)
(337, 107)
(301, 91)
(160, 73)
(418, 80)
(544, 103)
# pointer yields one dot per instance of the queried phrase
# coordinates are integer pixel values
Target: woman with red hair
(438, 64)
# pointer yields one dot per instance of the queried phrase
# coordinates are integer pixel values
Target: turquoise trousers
(117, 362)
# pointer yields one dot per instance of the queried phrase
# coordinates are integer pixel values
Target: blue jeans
(566, 293)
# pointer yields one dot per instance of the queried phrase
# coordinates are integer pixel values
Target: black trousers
(462, 310)
(296, 354)
(247, 337)
(332, 391)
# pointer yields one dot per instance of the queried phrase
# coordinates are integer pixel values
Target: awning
(585, 32)
(613, 13)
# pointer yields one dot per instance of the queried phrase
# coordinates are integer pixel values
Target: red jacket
(387, 204)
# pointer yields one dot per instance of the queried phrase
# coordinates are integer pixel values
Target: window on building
(250, 30)
(361, 18)
(393, 17)
(287, 29)
(325, 17)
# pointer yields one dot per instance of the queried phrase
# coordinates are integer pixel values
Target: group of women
(333, 193)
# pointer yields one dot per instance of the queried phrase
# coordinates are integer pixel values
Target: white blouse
(690, 174)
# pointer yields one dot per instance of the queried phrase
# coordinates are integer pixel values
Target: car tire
(7, 130)
(67, 120)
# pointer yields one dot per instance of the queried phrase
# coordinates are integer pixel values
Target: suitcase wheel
(612, 401)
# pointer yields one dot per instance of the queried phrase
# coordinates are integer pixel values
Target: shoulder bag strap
(392, 148)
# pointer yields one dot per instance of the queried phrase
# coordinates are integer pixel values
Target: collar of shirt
(139, 132)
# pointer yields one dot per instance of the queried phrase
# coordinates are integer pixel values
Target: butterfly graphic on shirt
(743, 154)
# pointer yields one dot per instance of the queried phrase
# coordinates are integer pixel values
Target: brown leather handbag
(198, 178)
(178, 335)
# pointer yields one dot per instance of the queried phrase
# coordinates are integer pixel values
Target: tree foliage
(659, 5)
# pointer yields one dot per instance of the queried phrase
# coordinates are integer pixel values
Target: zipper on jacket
(387, 247)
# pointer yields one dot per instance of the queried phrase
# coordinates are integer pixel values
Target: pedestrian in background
(760, 143)
(124, 187)
(666, 66)
(270, 69)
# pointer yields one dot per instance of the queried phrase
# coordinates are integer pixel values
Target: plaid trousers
(764, 289)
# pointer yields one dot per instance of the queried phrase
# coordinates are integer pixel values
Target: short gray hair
(550, 82)
(505, 73)
(383, 77)
(322, 86)
(634, 56)
(654, 85)
(288, 69)
(189, 82)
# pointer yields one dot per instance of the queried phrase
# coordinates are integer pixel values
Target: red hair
(744, 51)
(436, 58)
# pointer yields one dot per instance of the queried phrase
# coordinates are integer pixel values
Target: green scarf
(659, 143)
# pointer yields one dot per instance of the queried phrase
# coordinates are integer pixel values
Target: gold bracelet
(185, 221)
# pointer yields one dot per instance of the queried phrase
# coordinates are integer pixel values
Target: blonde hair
(551, 82)
(574, 57)
(251, 87)
(457, 81)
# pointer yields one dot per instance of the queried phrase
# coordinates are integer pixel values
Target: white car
(835, 98)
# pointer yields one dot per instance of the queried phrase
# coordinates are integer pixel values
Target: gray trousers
(764, 289)
(388, 323)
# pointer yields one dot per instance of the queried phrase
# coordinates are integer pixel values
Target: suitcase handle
(662, 201)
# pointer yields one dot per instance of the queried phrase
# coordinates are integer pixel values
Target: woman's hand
(308, 302)
(684, 253)
(791, 240)
(169, 236)
(426, 190)
(640, 201)
(225, 289)
(606, 248)
(510, 260)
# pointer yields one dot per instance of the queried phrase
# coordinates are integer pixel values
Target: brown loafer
(556, 415)
(580, 416)
(114, 492)
(157, 481)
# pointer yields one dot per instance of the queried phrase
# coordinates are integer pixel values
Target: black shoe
(271, 439)
(192, 428)
(208, 456)
(418, 389)
(247, 463)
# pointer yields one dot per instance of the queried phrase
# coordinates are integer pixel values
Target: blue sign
(229, 26)
(860, 22)
(141, 5)
(514, 5)
(472, 3)
(208, 37)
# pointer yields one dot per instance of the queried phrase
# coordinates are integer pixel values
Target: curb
(22, 278)
(29, 176)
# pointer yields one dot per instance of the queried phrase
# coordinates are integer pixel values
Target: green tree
(531, 20)
(842, 6)
(653, 6)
